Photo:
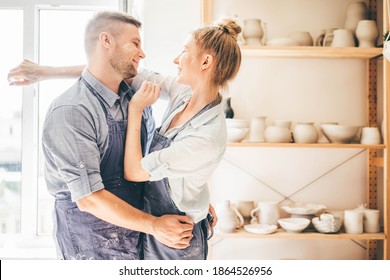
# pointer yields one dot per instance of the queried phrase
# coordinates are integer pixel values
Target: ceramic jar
(229, 219)
(253, 32)
(257, 129)
(302, 37)
(305, 132)
(277, 134)
(367, 33)
(356, 11)
(353, 221)
(370, 136)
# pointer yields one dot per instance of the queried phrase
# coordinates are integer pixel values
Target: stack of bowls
(237, 130)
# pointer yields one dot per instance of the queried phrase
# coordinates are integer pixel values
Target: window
(51, 35)
(11, 27)
(61, 43)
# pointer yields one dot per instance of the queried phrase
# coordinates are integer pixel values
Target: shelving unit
(378, 155)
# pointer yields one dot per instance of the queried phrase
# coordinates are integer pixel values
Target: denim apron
(81, 235)
(158, 202)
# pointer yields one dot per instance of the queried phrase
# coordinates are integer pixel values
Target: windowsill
(27, 248)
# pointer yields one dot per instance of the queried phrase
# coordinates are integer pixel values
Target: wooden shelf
(281, 234)
(300, 145)
(311, 52)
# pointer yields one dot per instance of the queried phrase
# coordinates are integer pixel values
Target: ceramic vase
(229, 219)
(257, 129)
(253, 32)
(229, 112)
(356, 11)
(305, 132)
(367, 33)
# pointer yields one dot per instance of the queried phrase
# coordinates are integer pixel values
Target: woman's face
(189, 63)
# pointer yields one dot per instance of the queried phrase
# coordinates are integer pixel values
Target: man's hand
(26, 73)
(214, 216)
(175, 231)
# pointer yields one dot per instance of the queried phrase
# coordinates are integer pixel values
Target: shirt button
(81, 165)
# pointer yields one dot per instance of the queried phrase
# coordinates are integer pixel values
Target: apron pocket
(93, 238)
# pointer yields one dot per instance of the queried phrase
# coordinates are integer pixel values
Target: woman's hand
(26, 73)
(145, 96)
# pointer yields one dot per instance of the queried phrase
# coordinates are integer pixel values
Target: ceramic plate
(260, 228)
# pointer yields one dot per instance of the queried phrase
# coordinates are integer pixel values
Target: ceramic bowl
(294, 225)
(304, 208)
(237, 123)
(236, 134)
(326, 223)
(340, 134)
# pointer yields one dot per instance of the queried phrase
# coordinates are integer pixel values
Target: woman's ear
(207, 62)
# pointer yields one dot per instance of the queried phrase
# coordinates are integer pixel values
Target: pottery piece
(340, 134)
(277, 134)
(282, 41)
(353, 221)
(266, 213)
(356, 11)
(229, 219)
(257, 129)
(229, 112)
(294, 225)
(370, 136)
(305, 132)
(367, 33)
(303, 38)
(342, 38)
(253, 32)
(328, 37)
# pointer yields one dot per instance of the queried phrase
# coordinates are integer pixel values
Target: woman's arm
(144, 97)
(28, 72)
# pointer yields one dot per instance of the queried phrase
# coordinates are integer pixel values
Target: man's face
(127, 52)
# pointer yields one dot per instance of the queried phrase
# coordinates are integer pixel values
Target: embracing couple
(123, 189)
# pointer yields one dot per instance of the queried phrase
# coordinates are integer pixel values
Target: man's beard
(125, 70)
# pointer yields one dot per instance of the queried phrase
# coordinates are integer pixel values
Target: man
(97, 212)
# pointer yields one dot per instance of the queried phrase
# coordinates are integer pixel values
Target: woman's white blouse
(194, 153)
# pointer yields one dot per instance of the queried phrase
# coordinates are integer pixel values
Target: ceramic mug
(342, 38)
(353, 221)
(266, 213)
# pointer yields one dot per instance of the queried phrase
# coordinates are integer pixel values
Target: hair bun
(230, 26)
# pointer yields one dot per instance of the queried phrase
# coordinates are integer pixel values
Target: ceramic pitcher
(229, 219)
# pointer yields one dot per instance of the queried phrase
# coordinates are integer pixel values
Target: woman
(191, 141)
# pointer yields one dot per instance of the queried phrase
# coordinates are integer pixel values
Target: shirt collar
(107, 95)
(209, 114)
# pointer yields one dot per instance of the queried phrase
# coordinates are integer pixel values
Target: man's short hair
(106, 21)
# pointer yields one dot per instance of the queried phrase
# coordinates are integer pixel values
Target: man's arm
(172, 230)
(28, 72)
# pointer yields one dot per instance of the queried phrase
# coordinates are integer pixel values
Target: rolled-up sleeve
(70, 147)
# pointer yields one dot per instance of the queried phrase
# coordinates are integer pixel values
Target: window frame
(28, 244)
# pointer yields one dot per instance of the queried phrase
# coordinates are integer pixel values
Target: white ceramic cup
(342, 38)
(266, 213)
(353, 221)
(370, 136)
(371, 220)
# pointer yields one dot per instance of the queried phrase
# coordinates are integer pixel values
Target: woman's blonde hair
(221, 41)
